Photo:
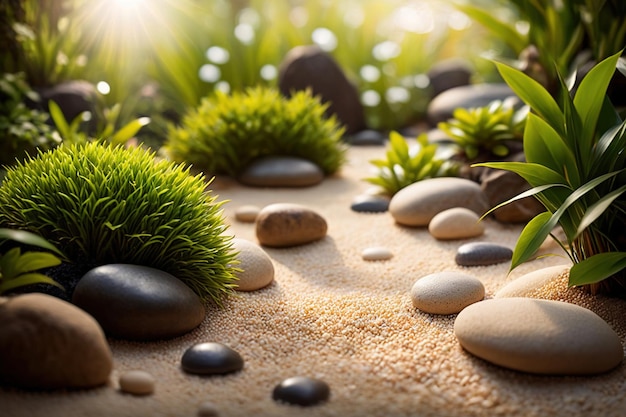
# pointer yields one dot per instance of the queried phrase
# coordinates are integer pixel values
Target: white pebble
(376, 253)
(247, 213)
(456, 223)
(446, 292)
(137, 383)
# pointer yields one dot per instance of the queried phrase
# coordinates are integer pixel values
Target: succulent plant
(484, 133)
(405, 165)
(228, 132)
(105, 204)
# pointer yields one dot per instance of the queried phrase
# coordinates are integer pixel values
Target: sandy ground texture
(331, 315)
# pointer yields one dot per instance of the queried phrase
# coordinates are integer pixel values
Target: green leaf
(531, 238)
(8, 263)
(503, 30)
(28, 238)
(533, 94)
(27, 279)
(598, 208)
(59, 119)
(534, 174)
(597, 268)
(129, 130)
(33, 261)
(590, 96)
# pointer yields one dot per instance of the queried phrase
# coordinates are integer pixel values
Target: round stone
(282, 171)
(247, 213)
(137, 383)
(138, 303)
(441, 108)
(418, 203)
(456, 223)
(47, 343)
(257, 267)
(376, 253)
(301, 390)
(482, 253)
(446, 292)
(368, 203)
(286, 224)
(525, 285)
(539, 336)
(208, 409)
(211, 359)
(367, 137)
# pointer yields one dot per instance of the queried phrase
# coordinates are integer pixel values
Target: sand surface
(331, 315)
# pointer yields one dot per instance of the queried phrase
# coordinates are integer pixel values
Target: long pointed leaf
(535, 174)
(27, 279)
(531, 238)
(128, 131)
(597, 268)
(598, 208)
(28, 238)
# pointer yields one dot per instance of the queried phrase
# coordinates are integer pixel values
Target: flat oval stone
(301, 390)
(418, 203)
(137, 383)
(368, 203)
(257, 267)
(282, 171)
(138, 303)
(286, 224)
(530, 282)
(539, 336)
(47, 343)
(247, 213)
(367, 137)
(446, 292)
(376, 253)
(456, 223)
(482, 253)
(211, 359)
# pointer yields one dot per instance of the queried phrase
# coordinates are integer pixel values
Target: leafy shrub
(22, 130)
(405, 166)
(102, 204)
(484, 133)
(228, 132)
(18, 269)
(576, 166)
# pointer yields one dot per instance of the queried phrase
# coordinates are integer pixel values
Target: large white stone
(446, 292)
(257, 267)
(539, 336)
(456, 223)
(418, 203)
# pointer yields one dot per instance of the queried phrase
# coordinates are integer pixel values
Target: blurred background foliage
(161, 57)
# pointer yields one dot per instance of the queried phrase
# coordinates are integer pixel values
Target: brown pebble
(208, 409)
(247, 213)
(137, 383)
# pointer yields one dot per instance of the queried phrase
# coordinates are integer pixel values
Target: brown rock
(285, 225)
(47, 343)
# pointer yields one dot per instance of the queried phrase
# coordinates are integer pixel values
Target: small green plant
(484, 133)
(18, 269)
(22, 130)
(228, 132)
(405, 166)
(576, 166)
(103, 204)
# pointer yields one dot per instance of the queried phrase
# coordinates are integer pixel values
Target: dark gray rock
(310, 67)
(138, 303)
(441, 107)
(448, 74)
(368, 203)
(367, 137)
(301, 390)
(73, 98)
(482, 253)
(211, 359)
(47, 343)
(282, 171)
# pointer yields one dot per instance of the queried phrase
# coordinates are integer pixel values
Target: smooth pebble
(539, 336)
(286, 224)
(208, 409)
(368, 203)
(482, 253)
(211, 358)
(301, 390)
(257, 267)
(456, 223)
(137, 382)
(247, 213)
(446, 292)
(531, 282)
(418, 203)
(376, 253)
(282, 171)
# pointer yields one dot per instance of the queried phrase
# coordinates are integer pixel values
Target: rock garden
(212, 243)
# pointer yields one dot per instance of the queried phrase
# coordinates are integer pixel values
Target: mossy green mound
(102, 204)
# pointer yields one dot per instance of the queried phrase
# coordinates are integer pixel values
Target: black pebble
(210, 359)
(370, 204)
(301, 390)
(482, 253)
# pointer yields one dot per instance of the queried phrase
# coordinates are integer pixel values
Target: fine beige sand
(331, 315)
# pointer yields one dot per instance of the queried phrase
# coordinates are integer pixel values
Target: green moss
(102, 204)
(228, 132)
